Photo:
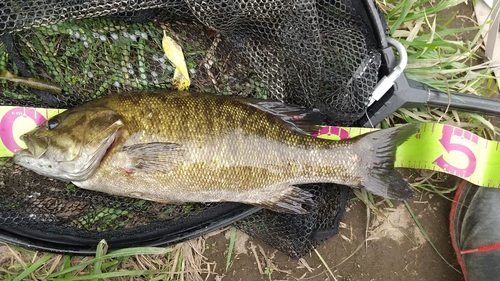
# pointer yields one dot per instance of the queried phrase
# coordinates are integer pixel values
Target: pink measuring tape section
(16, 121)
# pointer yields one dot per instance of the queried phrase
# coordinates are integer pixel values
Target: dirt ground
(392, 252)
(397, 251)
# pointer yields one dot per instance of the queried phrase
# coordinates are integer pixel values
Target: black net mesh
(296, 235)
(312, 53)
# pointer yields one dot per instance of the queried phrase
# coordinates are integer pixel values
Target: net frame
(137, 11)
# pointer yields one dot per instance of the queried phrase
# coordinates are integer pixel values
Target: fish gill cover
(312, 53)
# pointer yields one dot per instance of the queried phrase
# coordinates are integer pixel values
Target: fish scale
(177, 147)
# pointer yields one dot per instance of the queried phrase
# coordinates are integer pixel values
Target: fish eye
(52, 124)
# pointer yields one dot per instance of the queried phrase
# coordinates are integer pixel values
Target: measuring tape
(15, 121)
(436, 147)
(442, 148)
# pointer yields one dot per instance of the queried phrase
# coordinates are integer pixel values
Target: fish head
(71, 145)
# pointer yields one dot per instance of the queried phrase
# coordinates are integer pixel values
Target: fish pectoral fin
(297, 118)
(289, 201)
(153, 157)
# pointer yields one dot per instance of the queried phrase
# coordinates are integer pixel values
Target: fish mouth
(23, 153)
(24, 157)
(36, 147)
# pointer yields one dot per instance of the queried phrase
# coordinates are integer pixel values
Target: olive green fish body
(181, 147)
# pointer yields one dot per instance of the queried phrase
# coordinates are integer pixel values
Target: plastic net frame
(313, 53)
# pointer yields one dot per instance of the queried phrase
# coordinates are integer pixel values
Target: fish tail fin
(380, 177)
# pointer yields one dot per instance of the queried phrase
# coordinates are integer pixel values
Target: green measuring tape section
(435, 147)
(442, 148)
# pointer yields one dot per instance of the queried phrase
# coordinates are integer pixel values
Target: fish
(176, 147)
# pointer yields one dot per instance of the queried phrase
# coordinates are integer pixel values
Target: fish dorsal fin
(298, 118)
(152, 157)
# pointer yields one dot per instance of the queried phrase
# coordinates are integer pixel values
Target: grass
(438, 57)
(104, 265)
(231, 247)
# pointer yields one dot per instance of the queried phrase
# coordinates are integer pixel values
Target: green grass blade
(231, 246)
(480, 119)
(110, 265)
(404, 12)
(120, 273)
(116, 254)
(101, 250)
(67, 264)
(33, 267)
(410, 12)
(178, 265)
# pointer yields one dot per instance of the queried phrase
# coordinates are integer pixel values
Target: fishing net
(318, 54)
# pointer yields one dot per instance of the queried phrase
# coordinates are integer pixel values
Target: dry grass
(185, 261)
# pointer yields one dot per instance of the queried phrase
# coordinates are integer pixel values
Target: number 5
(445, 141)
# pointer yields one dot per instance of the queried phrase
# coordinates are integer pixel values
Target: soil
(396, 249)
(392, 249)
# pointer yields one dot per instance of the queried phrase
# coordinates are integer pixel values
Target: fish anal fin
(152, 157)
(152, 197)
(289, 201)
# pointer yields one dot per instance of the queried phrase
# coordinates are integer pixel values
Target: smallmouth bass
(177, 147)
